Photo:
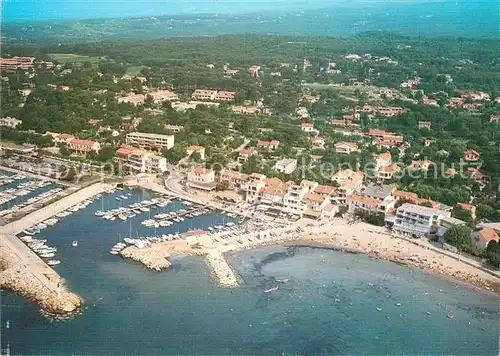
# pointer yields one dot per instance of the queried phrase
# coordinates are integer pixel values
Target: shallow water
(329, 306)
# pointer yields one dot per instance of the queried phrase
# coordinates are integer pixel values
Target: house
(245, 154)
(83, 146)
(303, 113)
(446, 223)
(388, 142)
(494, 118)
(268, 145)
(417, 220)
(94, 122)
(361, 204)
(308, 127)
(286, 165)
(61, 138)
(346, 147)
(311, 98)
(11, 122)
(428, 142)
(387, 172)
(383, 159)
(201, 178)
(315, 159)
(402, 195)
(318, 143)
(230, 72)
(149, 140)
(420, 165)
(481, 239)
(472, 155)
(424, 125)
(469, 207)
(479, 176)
(195, 148)
(204, 94)
(254, 71)
(315, 205)
(234, 179)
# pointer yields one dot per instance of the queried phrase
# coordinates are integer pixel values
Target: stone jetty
(221, 269)
(151, 258)
(23, 271)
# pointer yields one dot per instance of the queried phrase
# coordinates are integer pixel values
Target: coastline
(358, 238)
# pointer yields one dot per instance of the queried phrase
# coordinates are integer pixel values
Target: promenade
(25, 272)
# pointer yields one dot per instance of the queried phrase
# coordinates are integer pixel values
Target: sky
(26, 10)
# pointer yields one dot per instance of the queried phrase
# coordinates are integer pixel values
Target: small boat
(398, 304)
(282, 281)
(53, 262)
(428, 313)
(270, 290)
(451, 316)
(47, 255)
(99, 213)
(144, 209)
(114, 252)
(122, 217)
(379, 309)
(74, 243)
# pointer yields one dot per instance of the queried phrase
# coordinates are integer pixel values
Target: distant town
(395, 139)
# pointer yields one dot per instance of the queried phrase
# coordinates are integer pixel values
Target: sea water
(334, 302)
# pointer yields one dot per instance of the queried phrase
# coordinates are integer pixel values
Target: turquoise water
(329, 305)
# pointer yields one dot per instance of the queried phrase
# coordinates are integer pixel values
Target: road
(242, 146)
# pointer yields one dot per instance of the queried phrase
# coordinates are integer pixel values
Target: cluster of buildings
(157, 96)
(213, 95)
(140, 160)
(10, 122)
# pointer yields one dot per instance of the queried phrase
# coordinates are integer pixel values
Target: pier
(23, 271)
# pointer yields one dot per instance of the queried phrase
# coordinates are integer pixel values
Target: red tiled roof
(489, 234)
(79, 142)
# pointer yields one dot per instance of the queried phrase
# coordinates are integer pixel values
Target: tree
(463, 214)
(493, 253)
(459, 236)
(63, 150)
(222, 186)
(175, 154)
(195, 156)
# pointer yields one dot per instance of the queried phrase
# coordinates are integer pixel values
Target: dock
(25, 272)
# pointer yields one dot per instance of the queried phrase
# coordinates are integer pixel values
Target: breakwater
(26, 273)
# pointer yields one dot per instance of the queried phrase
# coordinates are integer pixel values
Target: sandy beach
(337, 233)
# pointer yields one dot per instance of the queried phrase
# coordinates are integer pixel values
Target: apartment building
(204, 94)
(349, 182)
(83, 146)
(149, 140)
(373, 199)
(224, 95)
(253, 187)
(139, 160)
(419, 221)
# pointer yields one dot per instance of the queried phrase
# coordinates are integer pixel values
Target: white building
(149, 140)
(418, 220)
(286, 165)
(11, 122)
